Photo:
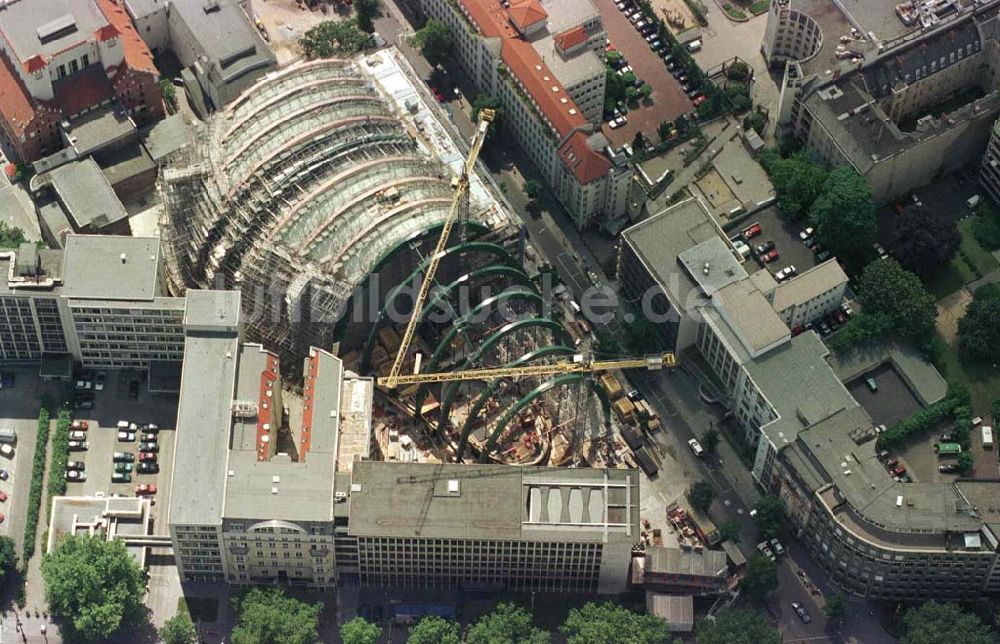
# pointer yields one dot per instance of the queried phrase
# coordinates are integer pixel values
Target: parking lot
(922, 461)
(784, 233)
(669, 101)
(891, 403)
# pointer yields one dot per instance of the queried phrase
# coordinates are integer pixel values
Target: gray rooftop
(920, 376)
(712, 265)
(116, 517)
(674, 561)
(47, 27)
(493, 502)
(750, 317)
(100, 129)
(212, 310)
(86, 195)
(572, 70)
(204, 414)
(224, 35)
(17, 211)
(99, 267)
(566, 14)
(804, 287)
(166, 137)
(659, 241)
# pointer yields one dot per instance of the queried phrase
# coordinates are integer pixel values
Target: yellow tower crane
(460, 185)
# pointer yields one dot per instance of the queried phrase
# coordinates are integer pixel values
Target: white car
(126, 437)
(78, 435)
(614, 124)
(625, 70)
(785, 273)
(806, 234)
(696, 447)
(75, 475)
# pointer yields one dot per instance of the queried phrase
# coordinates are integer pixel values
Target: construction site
(338, 199)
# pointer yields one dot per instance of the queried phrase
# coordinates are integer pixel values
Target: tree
(507, 623)
(738, 627)
(638, 141)
(268, 615)
(331, 38)
(701, 494)
(738, 71)
(923, 242)
(760, 578)
(646, 91)
(979, 330)
(434, 630)
(640, 336)
(367, 11)
(436, 42)
(610, 623)
(178, 630)
(835, 609)
(965, 463)
(12, 236)
(8, 557)
(844, 215)
(897, 299)
(934, 623)
(533, 188)
(796, 179)
(94, 585)
(483, 102)
(169, 93)
(769, 514)
(360, 631)
(730, 531)
(710, 441)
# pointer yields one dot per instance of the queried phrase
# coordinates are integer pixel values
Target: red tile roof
(527, 12)
(265, 401)
(16, 105)
(586, 164)
(571, 38)
(539, 82)
(81, 91)
(34, 63)
(309, 399)
(107, 32)
(137, 54)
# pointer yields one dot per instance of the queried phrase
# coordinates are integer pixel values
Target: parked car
(150, 427)
(696, 447)
(770, 257)
(133, 389)
(121, 477)
(83, 404)
(839, 316)
(785, 273)
(802, 613)
(3, 497)
(4, 474)
(806, 234)
(614, 124)
(810, 242)
(148, 468)
(79, 446)
(765, 247)
(880, 250)
(123, 456)
(871, 383)
(765, 550)
(75, 465)
(899, 470)
(77, 435)
(948, 468)
(99, 381)
(822, 255)
(7, 450)
(124, 467)
(145, 488)
(698, 100)
(79, 424)
(147, 456)
(751, 232)
(126, 437)
(777, 547)
(149, 446)
(83, 385)
(75, 476)
(948, 437)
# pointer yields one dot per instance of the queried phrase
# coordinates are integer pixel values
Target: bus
(706, 530)
(948, 449)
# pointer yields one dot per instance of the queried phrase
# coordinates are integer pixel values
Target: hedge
(60, 456)
(37, 478)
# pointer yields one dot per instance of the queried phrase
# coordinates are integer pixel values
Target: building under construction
(319, 194)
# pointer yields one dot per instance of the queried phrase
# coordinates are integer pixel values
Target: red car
(752, 231)
(3, 497)
(145, 488)
(899, 470)
(770, 257)
(698, 101)
(79, 424)
(146, 456)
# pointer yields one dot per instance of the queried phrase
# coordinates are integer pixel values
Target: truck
(624, 408)
(8, 435)
(645, 462)
(611, 386)
(948, 449)
(706, 530)
(987, 433)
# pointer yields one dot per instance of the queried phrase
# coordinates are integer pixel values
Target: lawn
(959, 272)
(982, 378)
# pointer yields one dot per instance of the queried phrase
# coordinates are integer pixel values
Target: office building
(541, 59)
(60, 59)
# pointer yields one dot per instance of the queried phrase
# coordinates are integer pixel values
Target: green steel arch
(558, 381)
(490, 390)
(465, 248)
(458, 325)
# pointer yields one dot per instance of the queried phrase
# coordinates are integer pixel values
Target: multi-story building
(989, 176)
(60, 59)
(539, 59)
(101, 301)
(244, 513)
(901, 104)
(221, 50)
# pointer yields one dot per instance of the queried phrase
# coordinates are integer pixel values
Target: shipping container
(624, 408)
(611, 386)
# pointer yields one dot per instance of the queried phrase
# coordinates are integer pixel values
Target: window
(62, 71)
(74, 67)
(85, 61)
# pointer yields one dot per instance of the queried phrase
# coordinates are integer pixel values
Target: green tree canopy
(738, 627)
(8, 557)
(934, 623)
(897, 299)
(610, 623)
(797, 180)
(368, 11)
(730, 531)
(701, 494)
(486, 101)
(640, 336)
(434, 630)
(436, 42)
(360, 631)
(268, 616)
(770, 513)
(760, 578)
(843, 214)
(178, 630)
(924, 242)
(533, 188)
(979, 329)
(331, 38)
(507, 623)
(710, 440)
(93, 585)
(12, 236)
(835, 608)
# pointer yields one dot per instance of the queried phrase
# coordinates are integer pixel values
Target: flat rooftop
(109, 516)
(495, 502)
(99, 129)
(570, 70)
(566, 14)
(116, 267)
(674, 561)
(750, 317)
(47, 27)
(712, 265)
(224, 35)
(805, 286)
(86, 194)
